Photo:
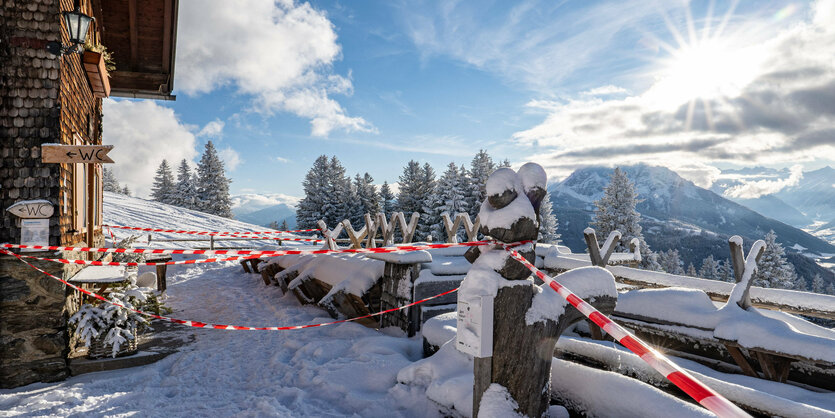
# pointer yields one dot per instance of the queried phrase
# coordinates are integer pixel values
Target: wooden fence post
(599, 256)
(743, 275)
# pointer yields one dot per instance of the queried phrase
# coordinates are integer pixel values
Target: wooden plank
(166, 37)
(91, 196)
(766, 365)
(741, 361)
(78, 154)
(134, 34)
(594, 248)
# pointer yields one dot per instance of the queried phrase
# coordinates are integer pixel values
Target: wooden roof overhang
(141, 35)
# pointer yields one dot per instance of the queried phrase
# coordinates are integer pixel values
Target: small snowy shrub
(114, 325)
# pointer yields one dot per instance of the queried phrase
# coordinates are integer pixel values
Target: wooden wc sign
(32, 209)
(84, 154)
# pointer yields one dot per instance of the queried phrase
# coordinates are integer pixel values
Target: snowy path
(338, 370)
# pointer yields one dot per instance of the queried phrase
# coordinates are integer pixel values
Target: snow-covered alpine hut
(58, 60)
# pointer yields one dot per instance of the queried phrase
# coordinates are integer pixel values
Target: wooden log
(268, 272)
(599, 257)
(245, 266)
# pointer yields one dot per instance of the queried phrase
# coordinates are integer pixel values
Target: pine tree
(273, 225)
(186, 189)
(109, 182)
(616, 211)
(126, 191)
(310, 209)
(548, 222)
(709, 269)
(651, 262)
(163, 187)
(340, 198)
(504, 164)
(416, 187)
(726, 272)
(830, 289)
(774, 270)
(387, 199)
(480, 169)
(283, 226)
(449, 197)
(367, 198)
(691, 270)
(212, 184)
(670, 261)
(818, 285)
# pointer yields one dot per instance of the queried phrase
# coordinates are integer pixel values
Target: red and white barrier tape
(180, 231)
(132, 264)
(239, 253)
(197, 324)
(697, 390)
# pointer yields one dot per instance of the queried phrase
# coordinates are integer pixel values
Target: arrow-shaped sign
(84, 154)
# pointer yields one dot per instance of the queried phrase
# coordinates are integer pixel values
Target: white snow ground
(342, 370)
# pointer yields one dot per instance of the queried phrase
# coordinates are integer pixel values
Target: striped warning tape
(182, 231)
(238, 253)
(697, 390)
(197, 324)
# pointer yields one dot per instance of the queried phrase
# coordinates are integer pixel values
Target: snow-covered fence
(791, 301)
(470, 227)
(367, 235)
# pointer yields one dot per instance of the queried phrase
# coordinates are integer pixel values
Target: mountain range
(808, 202)
(263, 209)
(678, 214)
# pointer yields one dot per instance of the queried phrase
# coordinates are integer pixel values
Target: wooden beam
(91, 195)
(741, 361)
(134, 34)
(166, 37)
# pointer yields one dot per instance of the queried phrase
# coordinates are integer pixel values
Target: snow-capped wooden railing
(470, 227)
(366, 236)
(791, 301)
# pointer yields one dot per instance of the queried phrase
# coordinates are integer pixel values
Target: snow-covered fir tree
(504, 164)
(670, 261)
(449, 197)
(709, 269)
(126, 190)
(774, 270)
(480, 169)
(830, 289)
(726, 272)
(109, 182)
(691, 270)
(340, 201)
(548, 222)
(163, 188)
(427, 214)
(283, 226)
(616, 211)
(310, 208)
(416, 187)
(186, 188)
(212, 184)
(367, 200)
(818, 284)
(386, 199)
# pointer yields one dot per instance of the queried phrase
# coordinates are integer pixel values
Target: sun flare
(707, 66)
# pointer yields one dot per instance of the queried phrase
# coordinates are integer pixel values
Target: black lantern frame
(78, 24)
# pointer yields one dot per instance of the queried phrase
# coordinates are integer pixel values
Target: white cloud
(755, 189)
(784, 115)
(279, 53)
(230, 158)
(213, 129)
(143, 134)
(251, 202)
(604, 91)
(282, 159)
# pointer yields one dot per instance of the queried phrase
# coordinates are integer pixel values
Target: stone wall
(33, 323)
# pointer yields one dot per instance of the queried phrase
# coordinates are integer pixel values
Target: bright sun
(708, 66)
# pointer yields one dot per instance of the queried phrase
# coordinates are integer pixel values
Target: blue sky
(565, 84)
